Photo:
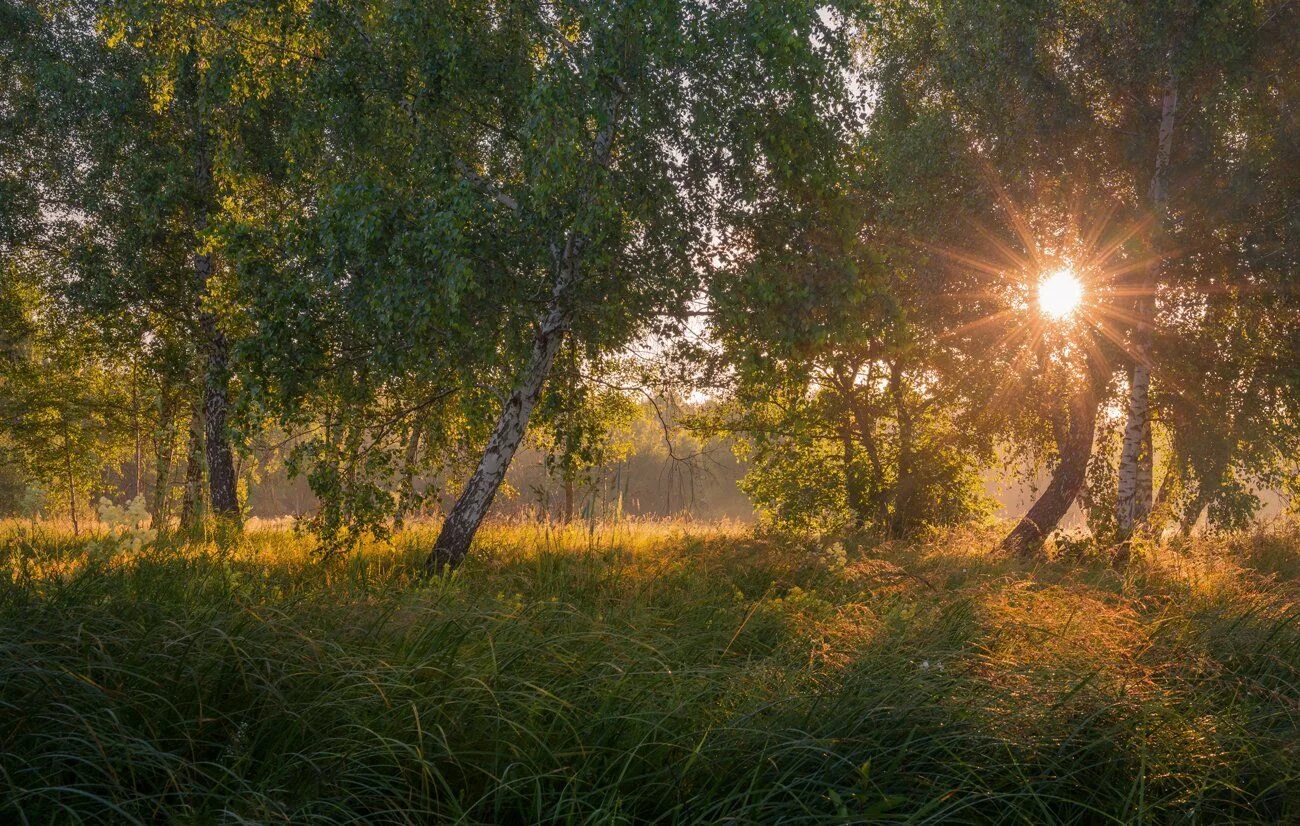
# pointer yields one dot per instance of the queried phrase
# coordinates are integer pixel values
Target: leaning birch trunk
(1133, 493)
(1170, 485)
(1075, 448)
(1192, 512)
(467, 514)
(1209, 481)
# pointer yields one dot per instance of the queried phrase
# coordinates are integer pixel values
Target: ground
(668, 673)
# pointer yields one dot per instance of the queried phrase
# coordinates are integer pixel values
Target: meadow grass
(646, 673)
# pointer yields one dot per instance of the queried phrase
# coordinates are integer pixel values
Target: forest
(630, 411)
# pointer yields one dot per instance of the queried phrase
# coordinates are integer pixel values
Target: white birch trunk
(1130, 508)
(472, 506)
(1133, 494)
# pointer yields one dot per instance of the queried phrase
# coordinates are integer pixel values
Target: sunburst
(1063, 289)
(1060, 294)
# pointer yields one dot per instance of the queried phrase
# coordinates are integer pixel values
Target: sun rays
(1059, 294)
(1052, 283)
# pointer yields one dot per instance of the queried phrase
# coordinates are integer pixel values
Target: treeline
(390, 242)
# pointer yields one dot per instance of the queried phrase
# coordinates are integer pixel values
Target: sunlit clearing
(1059, 294)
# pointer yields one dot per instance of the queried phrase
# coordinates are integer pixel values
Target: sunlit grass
(645, 671)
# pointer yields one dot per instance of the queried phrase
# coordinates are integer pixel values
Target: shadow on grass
(661, 674)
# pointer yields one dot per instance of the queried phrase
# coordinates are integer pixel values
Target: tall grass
(652, 673)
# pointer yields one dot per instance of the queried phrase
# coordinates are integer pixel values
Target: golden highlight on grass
(646, 672)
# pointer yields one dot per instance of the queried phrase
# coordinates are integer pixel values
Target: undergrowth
(646, 673)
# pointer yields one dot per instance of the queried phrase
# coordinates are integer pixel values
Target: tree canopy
(392, 244)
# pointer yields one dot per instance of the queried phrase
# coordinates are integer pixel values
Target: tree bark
(905, 480)
(1075, 448)
(216, 405)
(1192, 511)
(1133, 494)
(406, 492)
(467, 514)
(1132, 500)
(216, 374)
(864, 424)
(192, 496)
(1209, 481)
(136, 488)
(72, 479)
(568, 497)
(164, 447)
(854, 492)
(1171, 482)
(462, 523)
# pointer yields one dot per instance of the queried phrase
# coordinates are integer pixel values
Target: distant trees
(60, 398)
(136, 120)
(62, 404)
(584, 422)
(845, 393)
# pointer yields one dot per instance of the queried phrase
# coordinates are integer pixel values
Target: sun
(1059, 294)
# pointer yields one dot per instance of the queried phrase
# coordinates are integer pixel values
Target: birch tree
(1200, 52)
(491, 180)
(167, 96)
(655, 80)
(1133, 497)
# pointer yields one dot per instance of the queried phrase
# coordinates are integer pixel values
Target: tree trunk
(136, 489)
(863, 423)
(1131, 506)
(854, 492)
(1075, 448)
(467, 514)
(1209, 481)
(406, 491)
(1133, 494)
(1144, 500)
(1192, 511)
(568, 497)
(216, 404)
(72, 479)
(905, 480)
(216, 374)
(164, 447)
(462, 523)
(1175, 473)
(192, 497)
